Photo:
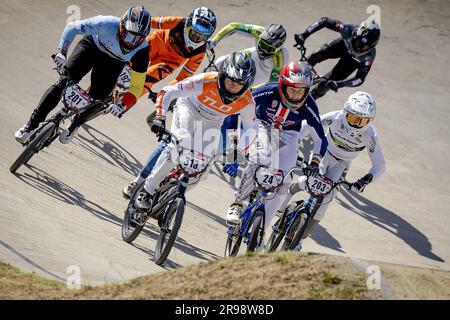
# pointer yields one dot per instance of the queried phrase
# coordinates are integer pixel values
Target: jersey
(270, 110)
(168, 44)
(104, 31)
(344, 147)
(202, 94)
(267, 70)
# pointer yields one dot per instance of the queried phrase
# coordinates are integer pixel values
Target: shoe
(67, 135)
(129, 190)
(233, 214)
(143, 201)
(24, 133)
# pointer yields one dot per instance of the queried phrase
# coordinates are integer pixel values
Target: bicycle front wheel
(171, 223)
(34, 146)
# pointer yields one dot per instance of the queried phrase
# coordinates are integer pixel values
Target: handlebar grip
(53, 56)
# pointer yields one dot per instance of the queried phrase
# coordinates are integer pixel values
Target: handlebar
(211, 56)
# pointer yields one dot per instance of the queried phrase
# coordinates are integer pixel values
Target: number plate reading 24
(269, 178)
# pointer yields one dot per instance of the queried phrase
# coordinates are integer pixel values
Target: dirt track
(65, 208)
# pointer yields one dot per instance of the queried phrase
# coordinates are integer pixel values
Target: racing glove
(359, 185)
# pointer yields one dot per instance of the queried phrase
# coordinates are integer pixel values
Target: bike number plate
(123, 81)
(268, 179)
(319, 186)
(76, 98)
(193, 162)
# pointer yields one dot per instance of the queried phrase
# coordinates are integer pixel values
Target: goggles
(267, 49)
(196, 36)
(357, 121)
(129, 38)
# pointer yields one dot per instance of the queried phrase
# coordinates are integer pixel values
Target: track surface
(65, 208)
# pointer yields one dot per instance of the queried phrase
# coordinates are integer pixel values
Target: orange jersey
(169, 51)
(202, 94)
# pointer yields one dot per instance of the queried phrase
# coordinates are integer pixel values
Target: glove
(313, 167)
(231, 169)
(333, 85)
(115, 109)
(158, 127)
(299, 39)
(211, 44)
(60, 60)
(359, 185)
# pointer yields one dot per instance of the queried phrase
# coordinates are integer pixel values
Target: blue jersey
(270, 110)
(104, 31)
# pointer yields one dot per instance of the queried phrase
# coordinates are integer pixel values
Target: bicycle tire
(174, 213)
(230, 249)
(41, 137)
(256, 230)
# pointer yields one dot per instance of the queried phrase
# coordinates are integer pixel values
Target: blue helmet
(199, 27)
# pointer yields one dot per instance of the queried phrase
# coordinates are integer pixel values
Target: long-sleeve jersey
(267, 70)
(270, 110)
(344, 147)
(104, 32)
(202, 93)
(170, 33)
(365, 60)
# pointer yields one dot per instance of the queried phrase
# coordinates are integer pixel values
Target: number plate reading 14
(319, 186)
(193, 162)
(76, 98)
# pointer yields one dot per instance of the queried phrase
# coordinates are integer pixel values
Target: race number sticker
(76, 98)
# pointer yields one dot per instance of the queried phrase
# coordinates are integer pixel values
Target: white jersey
(267, 70)
(344, 147)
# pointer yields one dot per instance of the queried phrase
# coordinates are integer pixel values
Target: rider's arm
(243, 28)
(360, 75)
(249, 125)
(328, 118)
(139, 64)
(323, 22)
(167, 22)
(189, 68)
(187, 87)
(375, 154)
(90, 26)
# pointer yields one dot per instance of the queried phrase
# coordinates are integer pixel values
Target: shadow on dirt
(389, 221)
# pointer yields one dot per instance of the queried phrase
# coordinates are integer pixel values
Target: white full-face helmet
(359, 111)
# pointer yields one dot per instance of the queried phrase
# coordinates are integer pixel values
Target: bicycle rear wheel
(171, 223)
(33, 146)
(131, 229)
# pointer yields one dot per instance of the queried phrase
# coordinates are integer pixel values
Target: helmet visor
(196, 36)
(266, 49)
(357, 121)
(130, 39)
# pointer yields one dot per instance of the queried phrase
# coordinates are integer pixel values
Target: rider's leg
(259, 154)
(333, 172)
(104, 76)
(330, 50)
(345, 67)
(284, 159)
(78, 65)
